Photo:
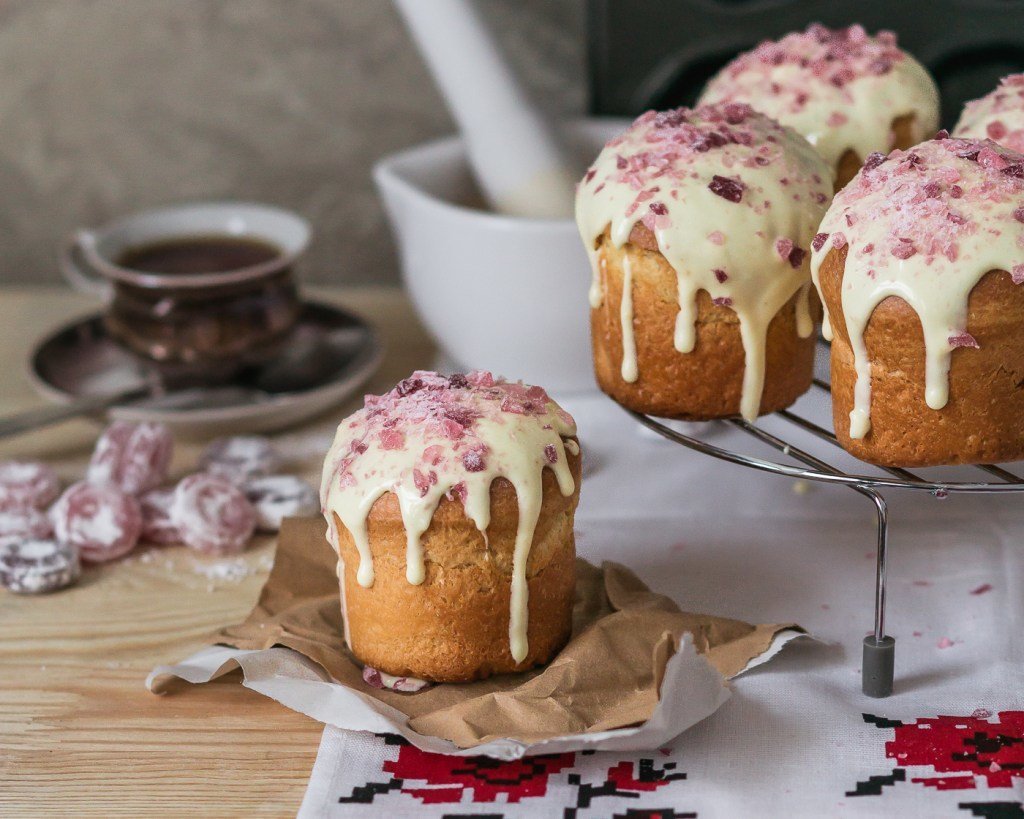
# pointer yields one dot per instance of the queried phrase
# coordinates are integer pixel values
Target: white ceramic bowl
(499, 293)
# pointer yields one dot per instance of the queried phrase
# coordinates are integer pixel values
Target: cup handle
(76, 270)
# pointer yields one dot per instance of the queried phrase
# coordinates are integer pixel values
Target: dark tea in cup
(201, 289)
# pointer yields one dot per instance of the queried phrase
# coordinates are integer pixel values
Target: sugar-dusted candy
(132, 457)
(32, 565)
(239, 458)
(276, 497)
(27, 483)
(99, 520)
(25, 522)
(157, 526)
(212, 514)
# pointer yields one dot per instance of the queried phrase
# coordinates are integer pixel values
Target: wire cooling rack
(877, 667)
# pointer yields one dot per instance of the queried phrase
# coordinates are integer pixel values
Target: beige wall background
(108, 106)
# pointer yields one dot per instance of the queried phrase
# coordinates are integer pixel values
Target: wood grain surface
(79, 733)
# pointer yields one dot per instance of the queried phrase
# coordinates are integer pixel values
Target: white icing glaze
(840, 88)
(431, 438)
(923, 225)
(998, 115)
(629, 371)
(732, 199)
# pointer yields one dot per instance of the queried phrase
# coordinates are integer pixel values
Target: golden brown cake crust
(903, 138)
(706, 383)
(982, 421)
(455, 626)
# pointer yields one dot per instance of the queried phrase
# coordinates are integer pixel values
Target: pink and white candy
(157, 526)
(37, 565)
(276, 497)
(27, 484)
(132, 457)
(212, 515)
(25, 522)
(99, 520)
(240, 458)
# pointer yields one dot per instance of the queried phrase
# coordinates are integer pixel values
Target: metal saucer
(80, 359)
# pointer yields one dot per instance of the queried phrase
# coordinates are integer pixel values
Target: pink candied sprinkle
(213, 515)
(873, 160)
(239, 458)
(27, 484)
(945, 642)
(405, 685)
(459, 491)
(551, 454)
(1017, 274)
(372, 677)
(391, 439)
(838, 239)
(903, 250)
(722, 301)
(835, 119)
(989, 158)
(25, 522)
(721, 276)
(818, 242)
(480, 378)
(716, 237)
(730, 189)
(157, 526)
(473, 461)
(99, 520)
(963, 339)
(783, 247)
(132, 457)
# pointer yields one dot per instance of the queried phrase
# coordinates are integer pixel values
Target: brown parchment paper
(607, 677)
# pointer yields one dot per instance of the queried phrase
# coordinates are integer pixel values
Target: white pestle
(519, 162)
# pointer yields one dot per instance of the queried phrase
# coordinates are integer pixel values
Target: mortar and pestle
(489, 250)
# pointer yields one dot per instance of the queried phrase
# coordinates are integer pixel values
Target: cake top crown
(936, 199)
(999, 115)
(444, 422)
(666, 160)
(840, 88)
(836, 56)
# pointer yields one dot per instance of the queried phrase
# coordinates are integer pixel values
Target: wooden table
(79, 733)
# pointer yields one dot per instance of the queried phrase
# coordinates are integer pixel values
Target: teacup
(231, 303)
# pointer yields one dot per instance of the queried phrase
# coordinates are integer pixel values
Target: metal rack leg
(878, 660)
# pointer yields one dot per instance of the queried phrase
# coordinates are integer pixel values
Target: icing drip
(629, 371)
(923, 225)
(998, 116)
(434, 437)
(840, 88)
(685, 175)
